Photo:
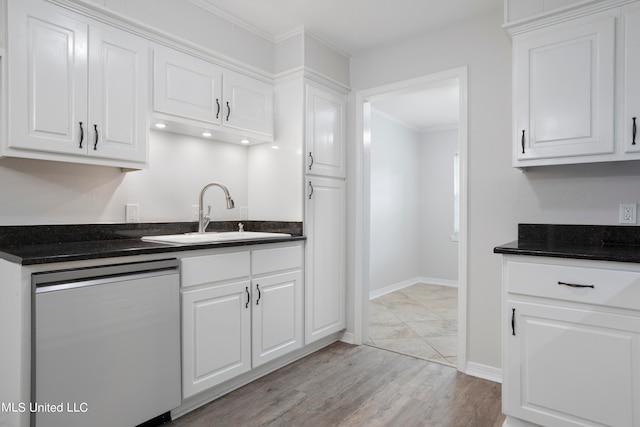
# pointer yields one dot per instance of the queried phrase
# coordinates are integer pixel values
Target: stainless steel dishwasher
(106, 345)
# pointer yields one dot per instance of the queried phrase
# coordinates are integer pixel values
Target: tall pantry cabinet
(325, 211)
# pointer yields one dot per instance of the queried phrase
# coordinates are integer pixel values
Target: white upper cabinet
(186, 86)
(248, 103)
(630, 117)
(575, 81)
(118, 75)
(564, 92)
(193, 95)
(77, 88)
(325, 132)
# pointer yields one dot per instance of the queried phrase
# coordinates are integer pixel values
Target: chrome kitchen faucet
(203, 220)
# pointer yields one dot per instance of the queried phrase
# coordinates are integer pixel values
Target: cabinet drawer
(613, 288)
(276, 259)
(213, 268)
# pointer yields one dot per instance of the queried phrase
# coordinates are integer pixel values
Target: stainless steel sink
(226, 236)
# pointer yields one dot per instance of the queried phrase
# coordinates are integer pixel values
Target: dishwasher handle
(80, 277)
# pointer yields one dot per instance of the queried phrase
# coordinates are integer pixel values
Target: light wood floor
(345, 385)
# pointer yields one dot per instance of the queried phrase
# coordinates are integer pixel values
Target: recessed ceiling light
(275, 147)
(244, 141)
(161, 125)
(207, 134)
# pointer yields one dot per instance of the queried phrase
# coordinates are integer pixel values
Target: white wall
(411, 204)
(276, 174)
(439, 254)
(484, 47)
(500, 196)
(40, 192)
(395, 203)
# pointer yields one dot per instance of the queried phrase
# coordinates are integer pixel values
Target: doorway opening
(411, 245)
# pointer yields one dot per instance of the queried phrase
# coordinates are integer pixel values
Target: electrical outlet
(131, 213)
(195, 215)
(628, 213)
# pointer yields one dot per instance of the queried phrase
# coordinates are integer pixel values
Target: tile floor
(420, 321)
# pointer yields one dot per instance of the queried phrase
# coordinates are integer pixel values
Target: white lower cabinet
(325, 280)
(239, 311)
(571, 343)
(276, 316)
(216, 335)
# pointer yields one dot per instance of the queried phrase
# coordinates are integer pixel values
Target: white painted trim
(395, 120)
(211, 8)
(438, 281)
(410, 282)
(392, 288)
(348, 337)
(361, 233)
(485, 372)
(515, 422)
(562, 14)
(407, 125)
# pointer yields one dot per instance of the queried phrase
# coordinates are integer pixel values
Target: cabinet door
(325, 286)
(118, 97)
(248, 104)
(564, 92)
(47, 78)
(570, 367)
(216, 335)
(277, 316)
(186, 86)
(325, 132)
(631, 85)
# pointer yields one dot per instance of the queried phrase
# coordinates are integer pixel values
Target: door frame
(363, 98)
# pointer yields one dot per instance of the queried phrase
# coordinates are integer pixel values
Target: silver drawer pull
(573, 285)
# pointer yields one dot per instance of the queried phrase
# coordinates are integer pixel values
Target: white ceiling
(352, 26)
(424, 111)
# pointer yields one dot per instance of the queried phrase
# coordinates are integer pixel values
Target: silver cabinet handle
(310, 190)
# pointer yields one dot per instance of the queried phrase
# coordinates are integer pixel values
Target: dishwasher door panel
(107, 354)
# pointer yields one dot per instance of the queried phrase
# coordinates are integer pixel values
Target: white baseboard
(348, 337)
(410, 282)
(485, 372)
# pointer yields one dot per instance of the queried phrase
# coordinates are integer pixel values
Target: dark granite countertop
(592, 242)
(43, 244)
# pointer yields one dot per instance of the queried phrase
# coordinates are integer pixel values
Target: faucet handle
(240, 227)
